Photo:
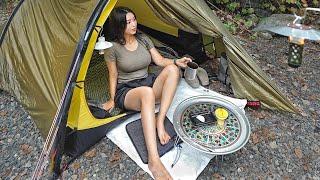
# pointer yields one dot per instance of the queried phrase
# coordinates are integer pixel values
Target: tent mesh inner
(97, 81)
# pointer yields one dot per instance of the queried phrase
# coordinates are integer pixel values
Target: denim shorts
(124, 88)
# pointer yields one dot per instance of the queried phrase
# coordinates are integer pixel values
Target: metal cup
(190, 72)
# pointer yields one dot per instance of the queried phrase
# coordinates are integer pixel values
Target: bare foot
(162, 134)
(158, 171)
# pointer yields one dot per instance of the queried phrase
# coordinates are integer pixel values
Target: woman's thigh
(134, 97)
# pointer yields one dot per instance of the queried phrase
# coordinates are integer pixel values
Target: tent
(46, 49)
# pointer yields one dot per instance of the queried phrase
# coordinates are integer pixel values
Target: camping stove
(196, 124)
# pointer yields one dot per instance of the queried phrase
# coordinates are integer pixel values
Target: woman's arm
(159, 60)
(113, 76)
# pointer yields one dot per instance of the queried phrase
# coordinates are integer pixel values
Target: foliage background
(239, 16)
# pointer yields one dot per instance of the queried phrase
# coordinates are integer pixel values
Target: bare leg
(164, 89)
(143, 98)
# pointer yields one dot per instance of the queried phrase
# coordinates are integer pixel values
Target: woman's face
(131, 28)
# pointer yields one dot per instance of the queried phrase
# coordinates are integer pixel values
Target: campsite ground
(281, 146)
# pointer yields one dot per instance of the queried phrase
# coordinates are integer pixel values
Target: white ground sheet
(191, 162)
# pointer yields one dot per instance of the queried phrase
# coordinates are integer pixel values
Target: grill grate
(204, 133)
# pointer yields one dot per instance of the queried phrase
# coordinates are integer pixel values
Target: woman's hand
(183, 62)
(108, 105)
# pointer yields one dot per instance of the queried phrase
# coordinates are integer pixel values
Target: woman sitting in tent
(132, 88)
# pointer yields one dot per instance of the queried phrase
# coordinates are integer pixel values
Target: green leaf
(237, 17)
(248, 23)
(233, 6)
(250, 11)
(272, 8)
(244, 11)
(225, 1)
(282, 8)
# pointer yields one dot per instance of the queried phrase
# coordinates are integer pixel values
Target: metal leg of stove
(178, 151)
(216, 165)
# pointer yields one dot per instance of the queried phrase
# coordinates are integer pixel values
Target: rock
(121, 166)
(304, 114)
(273, 144)
(274, 20)
(296, 84)
(255, 148)
(74, 177)
(103, 155)
(306, 102)
(265, 35)
(28, 164)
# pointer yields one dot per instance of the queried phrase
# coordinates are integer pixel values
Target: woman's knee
(147, 94)
(173, 69)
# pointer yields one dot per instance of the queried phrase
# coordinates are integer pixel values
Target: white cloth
(191, 162)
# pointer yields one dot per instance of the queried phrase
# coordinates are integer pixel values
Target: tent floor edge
(79, 141)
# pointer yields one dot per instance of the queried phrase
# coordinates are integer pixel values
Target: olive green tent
(47, 45)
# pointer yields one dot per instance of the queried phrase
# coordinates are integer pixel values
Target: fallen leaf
(83, 176)
(217, 176)
(294, 93)
(304, 114)
(306, 167)
(3, 113)
(265, 132)
(23, 173)
(76, 165)
(139, 175)
(304, 87)
(18, 177)
(298, 152)
(301, 80)
(272, 136)
(255, 138)
(7, 172)
(286, 178)
(90, 154)
(258, 114)
(116, 156)
(26, 149)
(313, 97)
(3, 130)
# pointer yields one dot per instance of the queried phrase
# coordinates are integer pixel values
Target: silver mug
(190, 72)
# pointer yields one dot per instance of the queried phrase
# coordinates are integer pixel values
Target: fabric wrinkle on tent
(247, 79)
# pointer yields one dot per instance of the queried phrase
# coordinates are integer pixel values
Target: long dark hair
(118, 23)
